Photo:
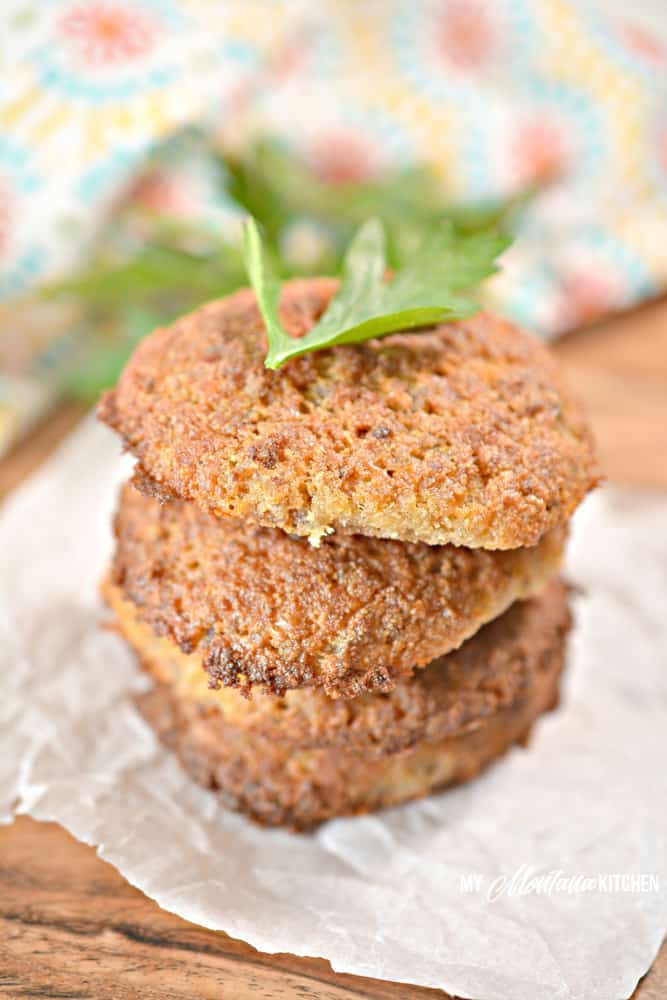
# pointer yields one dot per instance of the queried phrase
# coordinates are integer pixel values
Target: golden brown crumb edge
(261, 608)
(461, 434)
(301, 759)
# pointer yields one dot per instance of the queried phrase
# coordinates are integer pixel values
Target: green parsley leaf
(153, 271)
(274, 186)
(164, 266)
(278, 189)
(427, 289)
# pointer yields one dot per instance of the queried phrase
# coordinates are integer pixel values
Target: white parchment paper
(435, 893)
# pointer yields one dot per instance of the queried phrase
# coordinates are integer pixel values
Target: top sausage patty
(461, 433)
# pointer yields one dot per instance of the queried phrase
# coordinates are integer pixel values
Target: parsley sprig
(149, 268)
(432, 286)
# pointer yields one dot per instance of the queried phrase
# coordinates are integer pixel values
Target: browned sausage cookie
(461, 434)
(301, 758)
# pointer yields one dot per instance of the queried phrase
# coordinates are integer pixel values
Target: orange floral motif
(341, 158)
(106, 33)
(539, 152)
(588, 295)
(290, 58)
(466, 35)
(642, 42)
(163, 194)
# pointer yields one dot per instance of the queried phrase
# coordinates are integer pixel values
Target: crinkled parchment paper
(435, 893)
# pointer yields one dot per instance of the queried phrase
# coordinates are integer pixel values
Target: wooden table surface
(70, 926)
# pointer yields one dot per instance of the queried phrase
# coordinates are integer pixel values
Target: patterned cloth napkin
(494, 95)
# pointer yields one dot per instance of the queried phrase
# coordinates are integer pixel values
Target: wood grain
(619, 368)
(21, 460)
(70, 926)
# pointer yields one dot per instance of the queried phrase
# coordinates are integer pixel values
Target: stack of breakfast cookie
(342, 575)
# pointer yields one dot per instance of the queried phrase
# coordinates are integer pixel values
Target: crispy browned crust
(486, 675)
(283, 767)
(463, 433)
(261, 608)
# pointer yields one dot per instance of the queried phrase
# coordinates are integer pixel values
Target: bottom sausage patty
(301, 758)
